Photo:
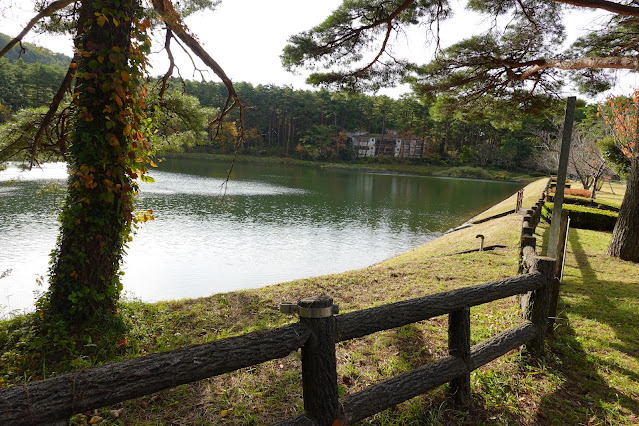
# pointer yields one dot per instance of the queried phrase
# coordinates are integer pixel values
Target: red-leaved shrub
(573, 191)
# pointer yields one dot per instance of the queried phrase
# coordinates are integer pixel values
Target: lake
(268, 224)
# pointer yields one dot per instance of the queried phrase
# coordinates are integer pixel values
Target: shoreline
(443, 171)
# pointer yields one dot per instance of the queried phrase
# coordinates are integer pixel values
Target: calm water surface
(270, 223)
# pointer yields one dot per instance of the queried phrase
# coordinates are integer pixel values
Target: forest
(311, 125)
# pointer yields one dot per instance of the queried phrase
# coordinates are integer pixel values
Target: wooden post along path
(535, 305)
(459, 347)
(319, 363)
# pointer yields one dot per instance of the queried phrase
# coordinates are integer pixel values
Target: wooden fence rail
(529, 243)
(60, 397)
(317, 333)
(367, 321)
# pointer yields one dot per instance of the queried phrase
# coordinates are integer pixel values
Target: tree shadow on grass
(592, 307)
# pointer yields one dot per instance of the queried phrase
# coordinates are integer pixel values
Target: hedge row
(587, 202)
(584, 217)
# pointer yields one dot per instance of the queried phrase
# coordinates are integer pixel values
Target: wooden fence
(520, 200)
(529, 243)
(316, 333)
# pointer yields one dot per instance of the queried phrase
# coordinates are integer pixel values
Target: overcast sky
(246, 37)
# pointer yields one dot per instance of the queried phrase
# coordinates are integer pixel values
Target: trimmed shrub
(584, 217)
(590, 203)
(553, 182)
(578, 192)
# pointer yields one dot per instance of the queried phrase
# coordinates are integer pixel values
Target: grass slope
(588, 377)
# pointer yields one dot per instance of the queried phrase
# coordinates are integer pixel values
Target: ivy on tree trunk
(105, 155)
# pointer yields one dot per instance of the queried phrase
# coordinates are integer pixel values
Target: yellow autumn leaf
(95, 420)
(224, 413)
(126, 130)
(102, 20)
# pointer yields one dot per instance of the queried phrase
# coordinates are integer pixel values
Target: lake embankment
(588, 377)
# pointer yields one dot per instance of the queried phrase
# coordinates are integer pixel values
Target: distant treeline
(29, 77)
(308, 123)
(297, 123)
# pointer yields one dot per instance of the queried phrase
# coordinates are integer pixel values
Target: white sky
(246, 38)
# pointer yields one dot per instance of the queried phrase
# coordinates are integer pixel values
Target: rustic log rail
(60, 397)
(529, 243)
(317, 333)
(529, 224)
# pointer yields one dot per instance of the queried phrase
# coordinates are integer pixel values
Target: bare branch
(355, 33)
(440, 10)
(523, 9)
(188, 54)
(630, 63)
(624, 47)
(53, 108)
(620, 9)
(382, 49)
(47, 11)
(59, 96)
(169, 72)
(172, 20)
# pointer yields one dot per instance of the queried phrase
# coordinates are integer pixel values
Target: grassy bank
(588, 377)
(386, 165)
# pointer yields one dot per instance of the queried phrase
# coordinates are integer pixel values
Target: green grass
(589, 376)
(597, 334)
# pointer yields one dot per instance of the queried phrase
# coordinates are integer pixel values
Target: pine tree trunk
(625, 237)
(96, 217)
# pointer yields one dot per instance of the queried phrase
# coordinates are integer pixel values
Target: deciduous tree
(622, 115)
(109, 147)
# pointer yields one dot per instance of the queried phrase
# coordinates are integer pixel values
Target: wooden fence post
(528, 217)
(564, 155)
(530, 212)
(319, 364)
(561, 246)
(526, 241)
(520, 200)
(538, 209)
(536, 304)
(459, 346)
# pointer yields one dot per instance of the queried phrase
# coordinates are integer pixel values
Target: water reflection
(270, 223)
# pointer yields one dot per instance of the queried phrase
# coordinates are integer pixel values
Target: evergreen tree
(513, 69)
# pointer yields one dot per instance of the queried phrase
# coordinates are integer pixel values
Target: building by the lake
(390, 144)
